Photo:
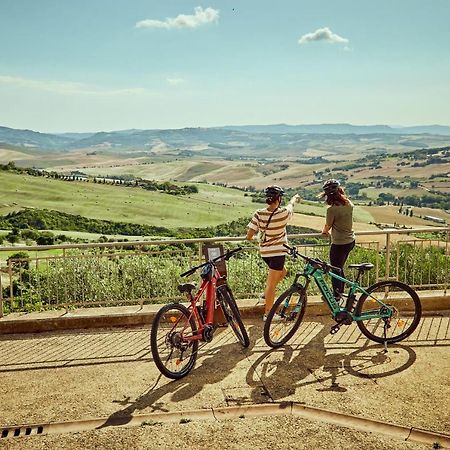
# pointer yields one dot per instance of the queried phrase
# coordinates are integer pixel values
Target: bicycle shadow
(284, 370)
(206, 372)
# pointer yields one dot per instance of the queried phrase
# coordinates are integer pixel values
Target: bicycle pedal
(335, 329)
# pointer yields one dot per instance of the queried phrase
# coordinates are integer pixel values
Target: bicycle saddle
(186, 287)
(361, 267)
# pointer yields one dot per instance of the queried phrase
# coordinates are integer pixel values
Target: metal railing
(121, 273)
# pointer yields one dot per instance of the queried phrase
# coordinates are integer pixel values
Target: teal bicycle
(385, 312)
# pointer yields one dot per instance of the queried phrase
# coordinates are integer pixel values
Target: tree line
(150, 185)
(33, 224)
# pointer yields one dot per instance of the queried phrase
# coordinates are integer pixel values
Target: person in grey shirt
(339, 220)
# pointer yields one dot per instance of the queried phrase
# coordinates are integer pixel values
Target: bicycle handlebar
(318, 263)
(225, 256)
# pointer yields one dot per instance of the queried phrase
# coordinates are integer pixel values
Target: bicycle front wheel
(285, 317)
(403, 305)
(173, 352)
(232, 314)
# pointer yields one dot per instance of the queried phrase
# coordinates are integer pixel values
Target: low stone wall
(127, 316)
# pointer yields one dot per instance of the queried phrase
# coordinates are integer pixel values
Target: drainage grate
(21, 431)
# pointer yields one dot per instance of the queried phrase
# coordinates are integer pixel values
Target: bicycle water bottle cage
(207, 272)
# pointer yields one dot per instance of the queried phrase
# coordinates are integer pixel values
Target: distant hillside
(341, 128)
(28, 138)
(221, 140)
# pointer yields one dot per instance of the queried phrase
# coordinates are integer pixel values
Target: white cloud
(66, 87)
(175, 81)
(201, 17)
(322, 34)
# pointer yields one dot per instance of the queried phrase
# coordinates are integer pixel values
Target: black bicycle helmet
(273, 191)
(331, 186)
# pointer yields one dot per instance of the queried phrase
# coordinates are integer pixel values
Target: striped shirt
(274, 236)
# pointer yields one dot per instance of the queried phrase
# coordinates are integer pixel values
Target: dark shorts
(275, 262)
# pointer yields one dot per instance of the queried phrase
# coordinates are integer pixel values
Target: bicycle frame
(207, 287)
(318, 276)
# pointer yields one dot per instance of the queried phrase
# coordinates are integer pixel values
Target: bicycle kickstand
(385, 340)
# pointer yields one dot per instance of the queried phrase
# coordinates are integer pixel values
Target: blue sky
(91, 65)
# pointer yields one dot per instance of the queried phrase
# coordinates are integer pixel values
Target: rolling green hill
(210, 206)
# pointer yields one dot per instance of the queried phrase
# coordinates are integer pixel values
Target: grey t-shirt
(340, 218)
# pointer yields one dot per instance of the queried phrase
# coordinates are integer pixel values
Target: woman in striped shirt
(271, 223)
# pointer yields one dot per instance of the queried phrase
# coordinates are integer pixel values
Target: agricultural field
(212, 205)
(298, 161)
(388, 215)
(258, 171)
(367, 171)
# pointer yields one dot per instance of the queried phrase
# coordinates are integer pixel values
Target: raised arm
(290, 206)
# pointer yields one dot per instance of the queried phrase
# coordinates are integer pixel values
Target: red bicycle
(177, 329)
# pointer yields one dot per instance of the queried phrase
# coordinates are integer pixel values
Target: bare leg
(273, 278)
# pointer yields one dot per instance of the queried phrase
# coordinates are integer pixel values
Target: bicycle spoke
(173, 352)
(285, 317)
(231, 313)
(396, 314)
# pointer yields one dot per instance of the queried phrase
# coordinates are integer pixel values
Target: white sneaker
(275, 318)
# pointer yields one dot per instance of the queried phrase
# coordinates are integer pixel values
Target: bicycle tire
(407, 311)
(232, 314)
(289, 318)
(178, 320)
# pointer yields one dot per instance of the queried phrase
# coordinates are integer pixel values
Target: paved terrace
(99, 388)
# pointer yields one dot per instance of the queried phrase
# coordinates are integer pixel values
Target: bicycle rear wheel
(232, 314)
(398, 297)
(285, 316)
(174, 354)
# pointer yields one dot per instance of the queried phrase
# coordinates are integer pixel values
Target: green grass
(373, 192)
(32, 254)
(211, 206)
(311, 208)
(361, 215)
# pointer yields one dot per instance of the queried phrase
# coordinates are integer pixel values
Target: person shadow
(284, 370)
(219, 362)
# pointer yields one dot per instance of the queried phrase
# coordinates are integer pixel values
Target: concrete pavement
(72, 375)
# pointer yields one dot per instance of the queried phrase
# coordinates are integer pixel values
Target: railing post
(447, 256)
(388, 256)
(1, 295)
(200, 252)
(11, 284)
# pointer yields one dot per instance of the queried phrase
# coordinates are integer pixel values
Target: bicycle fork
(300, 290)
